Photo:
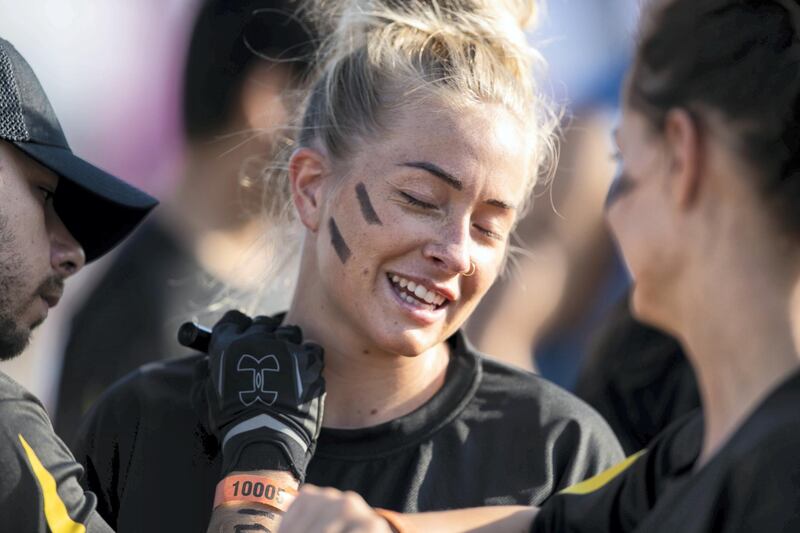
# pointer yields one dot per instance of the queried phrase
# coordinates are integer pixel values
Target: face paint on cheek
(366, 206)
(621, 186)
(337, 241)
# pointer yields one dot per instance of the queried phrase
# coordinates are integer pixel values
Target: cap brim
(98, 209)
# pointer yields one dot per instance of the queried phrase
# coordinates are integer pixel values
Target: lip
(424, 317)
(447, 293)
(51, 299)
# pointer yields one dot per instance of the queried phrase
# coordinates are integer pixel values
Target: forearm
(239, 516)
(508, 519)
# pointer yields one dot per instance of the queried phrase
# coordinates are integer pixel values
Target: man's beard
(13, 337)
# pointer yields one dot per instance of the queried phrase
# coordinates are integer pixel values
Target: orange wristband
(395, 520)
(255, 489)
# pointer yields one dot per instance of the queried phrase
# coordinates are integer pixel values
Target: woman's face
(640, 216)
(406, 217)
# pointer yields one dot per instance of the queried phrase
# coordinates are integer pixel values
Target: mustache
(52, 285)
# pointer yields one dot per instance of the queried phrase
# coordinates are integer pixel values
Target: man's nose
(66, 254)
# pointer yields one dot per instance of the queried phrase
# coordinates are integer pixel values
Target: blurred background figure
(244, 60)
(557, 292)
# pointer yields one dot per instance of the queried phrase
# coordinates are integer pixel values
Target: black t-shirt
(492, 435)
(39, 478)
(752, 484)
(638, 378)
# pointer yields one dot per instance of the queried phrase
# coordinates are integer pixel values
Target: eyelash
(489, 233)
(417, 202)
(425, 205)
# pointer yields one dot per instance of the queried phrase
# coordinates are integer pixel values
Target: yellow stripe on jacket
(593, 483)
(58, 519)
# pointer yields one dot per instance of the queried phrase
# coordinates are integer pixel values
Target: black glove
(265, 394)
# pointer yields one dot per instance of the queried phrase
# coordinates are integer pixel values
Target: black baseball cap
(98, 209)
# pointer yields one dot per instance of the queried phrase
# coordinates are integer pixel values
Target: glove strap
(254, 489)
(395, 521)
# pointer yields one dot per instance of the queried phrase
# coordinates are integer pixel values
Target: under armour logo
(258, 369)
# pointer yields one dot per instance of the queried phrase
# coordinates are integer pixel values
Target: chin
(13, 339)
(408, 343)
(644, 307)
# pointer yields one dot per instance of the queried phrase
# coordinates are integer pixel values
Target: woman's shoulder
(529, 400)
(540, 396)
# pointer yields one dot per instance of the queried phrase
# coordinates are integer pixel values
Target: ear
(308, 169)
(683, 141)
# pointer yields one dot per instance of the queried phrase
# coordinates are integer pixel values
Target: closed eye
(416, 201)
(489, 233)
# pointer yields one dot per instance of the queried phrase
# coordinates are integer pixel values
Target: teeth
(419, 291)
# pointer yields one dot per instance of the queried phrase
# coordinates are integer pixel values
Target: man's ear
(308, 169)
(684, 144)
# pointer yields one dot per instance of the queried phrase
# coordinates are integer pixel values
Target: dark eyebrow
(451, 180)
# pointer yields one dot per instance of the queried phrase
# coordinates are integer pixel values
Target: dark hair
(740, 58)
(229, 36)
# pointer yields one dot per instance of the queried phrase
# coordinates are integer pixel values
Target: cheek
(629, 232)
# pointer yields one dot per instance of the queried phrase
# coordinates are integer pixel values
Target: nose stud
(471, 270)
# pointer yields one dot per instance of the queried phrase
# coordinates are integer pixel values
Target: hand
(328, 510)
(263, 387)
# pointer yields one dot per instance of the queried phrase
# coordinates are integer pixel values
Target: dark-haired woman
(707, 213)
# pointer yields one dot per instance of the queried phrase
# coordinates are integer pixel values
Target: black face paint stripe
(342, 250)
(620, 186)
(366, 206)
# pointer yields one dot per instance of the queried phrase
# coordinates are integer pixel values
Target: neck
(741, 342)
(365, 384)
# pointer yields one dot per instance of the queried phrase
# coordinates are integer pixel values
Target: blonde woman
(420, 143)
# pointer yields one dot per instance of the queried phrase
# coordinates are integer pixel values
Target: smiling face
(396, 231)
(36, 251)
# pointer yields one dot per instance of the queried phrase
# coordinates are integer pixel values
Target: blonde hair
(381, 55)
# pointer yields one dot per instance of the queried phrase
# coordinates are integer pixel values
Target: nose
(450, 249)
(66, 254)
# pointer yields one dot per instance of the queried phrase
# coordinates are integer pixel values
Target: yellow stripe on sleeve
(55, 511)
(593, 483)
